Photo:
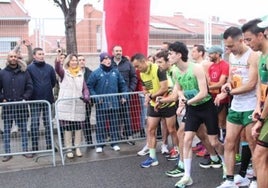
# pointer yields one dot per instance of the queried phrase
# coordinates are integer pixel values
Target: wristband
(150, 96)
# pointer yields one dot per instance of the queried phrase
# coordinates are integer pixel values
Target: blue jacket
(44, 79)
(103, 81)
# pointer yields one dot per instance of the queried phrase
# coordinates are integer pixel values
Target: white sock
(187, 167)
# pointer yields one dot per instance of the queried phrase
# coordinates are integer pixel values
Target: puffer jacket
(106, 82)
(15, 85)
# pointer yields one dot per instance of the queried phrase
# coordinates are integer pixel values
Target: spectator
(72, 113)
(87, 127)
(28, 45)
(129, 74)
(107, 80)
(25, 61)
(60, 57)
(15, 85)
(44, 79)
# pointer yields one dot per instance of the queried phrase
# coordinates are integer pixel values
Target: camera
(59, 50)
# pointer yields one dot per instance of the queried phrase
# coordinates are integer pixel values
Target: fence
(35, 137)
(109, 121)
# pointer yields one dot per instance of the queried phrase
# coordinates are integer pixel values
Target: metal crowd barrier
(32, 137)
(110, 120)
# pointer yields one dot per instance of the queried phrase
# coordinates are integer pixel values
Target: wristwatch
(261, 119)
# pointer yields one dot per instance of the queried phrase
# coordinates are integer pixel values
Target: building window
(8, 43)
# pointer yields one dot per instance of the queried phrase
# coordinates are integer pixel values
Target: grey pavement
(108, 169)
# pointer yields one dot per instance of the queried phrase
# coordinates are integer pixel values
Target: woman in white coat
(71, 112)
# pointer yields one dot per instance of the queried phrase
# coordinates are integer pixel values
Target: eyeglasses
(81, 59)
(13, 56)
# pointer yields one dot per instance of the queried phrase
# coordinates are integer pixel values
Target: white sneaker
(228, 184)
(116, 148)
(184, 181)
(253, 184)
(99, 150)
(240, 181)
(14, 129)
(250, 173)
(144, 151)
(164, 149)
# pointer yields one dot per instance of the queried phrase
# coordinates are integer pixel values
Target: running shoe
(240, 181)
(184, 181)
(149, 162)
(175, 172)
(164, 149)
(228, 184)
(210, 164)
(144, 151)
(198, 147)
(173, 155)
(253, 184)
(202, 153)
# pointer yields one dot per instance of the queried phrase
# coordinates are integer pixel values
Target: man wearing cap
(241, 85)
(254, 34)
(218, 74)
(107, 80)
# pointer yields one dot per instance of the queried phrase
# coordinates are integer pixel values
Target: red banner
(127, 24)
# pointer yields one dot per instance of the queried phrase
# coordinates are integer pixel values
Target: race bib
(236, 81)
(264, 91)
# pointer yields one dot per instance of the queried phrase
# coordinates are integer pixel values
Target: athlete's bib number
(264, 91)
(236, 81)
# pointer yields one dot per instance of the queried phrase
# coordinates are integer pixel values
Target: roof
(181, 24)
(13, 10)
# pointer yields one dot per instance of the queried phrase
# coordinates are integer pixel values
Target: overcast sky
(226, 10)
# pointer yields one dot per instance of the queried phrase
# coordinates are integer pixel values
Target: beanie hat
(104, 55)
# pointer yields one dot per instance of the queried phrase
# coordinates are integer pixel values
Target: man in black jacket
(128, 72)
(87, 127)
(15, 85)
(44, 80)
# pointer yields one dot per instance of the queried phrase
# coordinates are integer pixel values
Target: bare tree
(68, 8)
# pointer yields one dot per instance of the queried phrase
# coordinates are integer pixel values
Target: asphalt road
(120, 172)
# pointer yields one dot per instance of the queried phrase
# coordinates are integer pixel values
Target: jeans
(36, 110)
(124, 115)
(87, 126)
(102, 118)
(22, 124)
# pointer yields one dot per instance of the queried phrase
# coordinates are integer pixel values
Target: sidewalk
(19, 162)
